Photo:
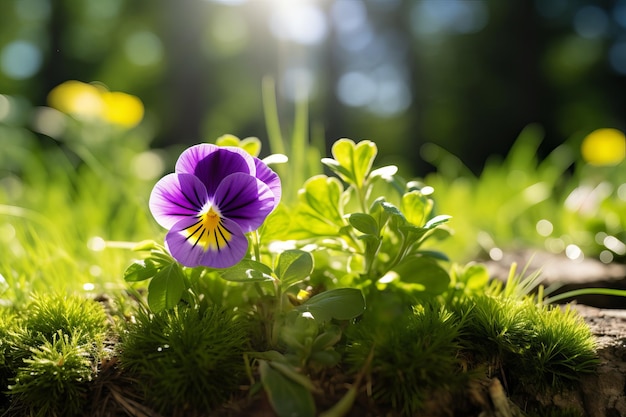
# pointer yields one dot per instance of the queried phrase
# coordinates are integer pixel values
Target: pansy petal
(193, 244)
(211, 163)
(270, 178)
(177, 196)
(244, 199)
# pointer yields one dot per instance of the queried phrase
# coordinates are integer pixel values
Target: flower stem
(255, 245)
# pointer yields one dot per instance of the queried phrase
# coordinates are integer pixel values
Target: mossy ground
(68, 356)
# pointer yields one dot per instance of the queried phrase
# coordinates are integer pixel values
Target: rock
(561, 274)
(601, 394)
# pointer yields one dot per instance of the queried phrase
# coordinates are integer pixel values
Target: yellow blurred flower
(122, 109)
(76, 98)
(89, 101)
(604, 147)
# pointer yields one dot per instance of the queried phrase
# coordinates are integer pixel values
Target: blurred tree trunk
(186, 81)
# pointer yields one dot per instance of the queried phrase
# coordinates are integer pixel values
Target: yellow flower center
(209, 231)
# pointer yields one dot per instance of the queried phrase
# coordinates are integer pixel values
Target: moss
(186, 358)
(545, 347)
(74, 316)
(53, 380)
(411, 356)
(50, 352)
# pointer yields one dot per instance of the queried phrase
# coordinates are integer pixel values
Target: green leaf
(277, 225)
(386, 172)
(382, 211)
(339, 303)
(327, 339)
(341, 171)
(325, 357)
(423, 274)
(364, 223)
(293, 266)
(372, 247)
(141, 270)
(416, 207)
(251, 145)
(247, 270)
(145, 245)
(166, 288)
(287, 397)
(292, 373)
(475, 277)
(437, 220)
(319, 211)
(435, 254)
(356, 159)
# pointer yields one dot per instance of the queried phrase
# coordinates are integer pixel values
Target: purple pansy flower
(215, 196)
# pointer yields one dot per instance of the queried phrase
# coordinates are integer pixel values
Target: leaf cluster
(310, 336)
(364, 223)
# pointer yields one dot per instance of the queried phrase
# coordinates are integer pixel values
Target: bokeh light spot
(5, 107)
(49, 122)
(544, 227)
(143, 48)
(614, 244)
(348, 15)
(619, 12)
(617, 57)
(227, 32)
(99, 9)
(606, 256)
(591, 22)
(20, 59)
(96, 244)
(148, 165)
(453, 16)
(496, 254)
(33, 9)
(551, 8)
(573, 252)
(621, 192)
(230, 2)
(356, 89)
(299, 22)
(555, 245)
(298, 83)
